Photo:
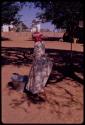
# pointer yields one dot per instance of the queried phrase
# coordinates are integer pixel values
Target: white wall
(5, 28)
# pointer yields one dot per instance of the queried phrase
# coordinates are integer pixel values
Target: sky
(28, 14)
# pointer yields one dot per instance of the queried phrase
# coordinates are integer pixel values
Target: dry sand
(63, 100)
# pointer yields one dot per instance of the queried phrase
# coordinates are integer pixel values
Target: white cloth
(38, 27)
(33, 29)
(40, 70)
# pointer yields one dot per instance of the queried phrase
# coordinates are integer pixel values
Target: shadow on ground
(5, 39)
(49, 39)
(52, 38)
(63, 64)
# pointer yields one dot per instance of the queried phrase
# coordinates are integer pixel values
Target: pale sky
(28, 14)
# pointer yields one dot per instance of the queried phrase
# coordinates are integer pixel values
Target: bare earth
(63, 100)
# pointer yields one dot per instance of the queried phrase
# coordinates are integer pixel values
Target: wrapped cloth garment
(40, 70)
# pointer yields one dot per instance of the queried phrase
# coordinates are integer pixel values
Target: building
(5, 28)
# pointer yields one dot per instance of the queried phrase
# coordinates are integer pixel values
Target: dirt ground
(62, 101)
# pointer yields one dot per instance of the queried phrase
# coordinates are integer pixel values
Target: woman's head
(37, 36)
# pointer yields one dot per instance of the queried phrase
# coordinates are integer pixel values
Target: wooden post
(75, 39)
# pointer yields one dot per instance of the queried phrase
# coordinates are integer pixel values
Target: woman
(41, 66)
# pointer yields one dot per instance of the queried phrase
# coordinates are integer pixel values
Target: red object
(37, 36)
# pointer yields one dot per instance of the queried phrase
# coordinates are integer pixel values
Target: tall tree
(9, 11)
(61, 13)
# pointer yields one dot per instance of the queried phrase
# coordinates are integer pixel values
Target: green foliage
(9, 11)
(62, 13)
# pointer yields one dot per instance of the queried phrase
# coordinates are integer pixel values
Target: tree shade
(61, 13)
(9, 11)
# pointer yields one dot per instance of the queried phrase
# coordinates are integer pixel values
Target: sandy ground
(26, 41)
(63, 101)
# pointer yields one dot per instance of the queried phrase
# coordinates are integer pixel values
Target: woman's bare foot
(42, 93)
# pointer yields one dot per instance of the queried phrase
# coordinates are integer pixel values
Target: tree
(61, 13)
(9, 11)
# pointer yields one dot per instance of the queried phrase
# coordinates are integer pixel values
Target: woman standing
(41, 66)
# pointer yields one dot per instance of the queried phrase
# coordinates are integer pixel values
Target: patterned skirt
(40, 70)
